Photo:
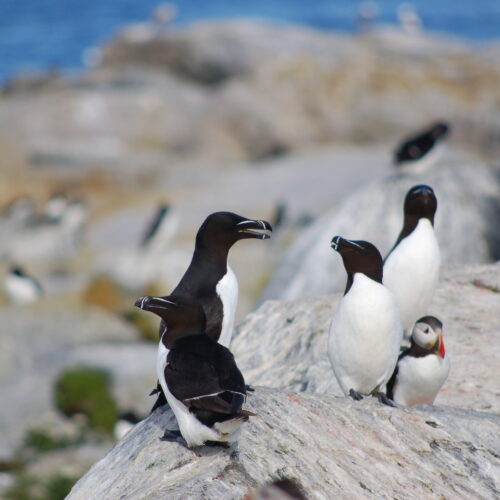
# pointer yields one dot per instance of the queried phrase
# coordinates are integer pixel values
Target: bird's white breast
(365, 336)
(227, 290)
(420, 379)
(21, 290)
(411, 272)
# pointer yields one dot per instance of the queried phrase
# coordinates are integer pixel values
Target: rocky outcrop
(332, 447)
(284, 344)
(225, 91)
(465, 224)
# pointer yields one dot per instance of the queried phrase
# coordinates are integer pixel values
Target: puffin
(418, 153)
(366, 330)
(210, 280)
(423, 368)
(197, 375)
(411, 268)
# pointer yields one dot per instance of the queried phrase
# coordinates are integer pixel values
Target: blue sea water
(38, 34)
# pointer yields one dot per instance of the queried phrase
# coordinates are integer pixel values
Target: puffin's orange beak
(442, 351)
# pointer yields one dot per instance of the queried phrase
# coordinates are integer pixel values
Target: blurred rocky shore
(269, 120)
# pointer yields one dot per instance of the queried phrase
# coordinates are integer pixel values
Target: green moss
(42, 442)
(27, 487)
(87, 391)
(58, 487)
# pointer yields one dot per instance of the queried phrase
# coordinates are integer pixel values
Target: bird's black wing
(204, 376)
(392, 381)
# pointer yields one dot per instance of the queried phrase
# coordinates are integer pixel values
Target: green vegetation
(42, 442)
(27, 487)
(87, 391)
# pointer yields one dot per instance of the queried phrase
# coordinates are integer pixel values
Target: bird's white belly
(365, 336)
(411, 272)
(227, 290)
(21, 290)
(420, 379)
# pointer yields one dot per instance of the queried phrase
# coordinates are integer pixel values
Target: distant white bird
(20, 287)
(409, 19)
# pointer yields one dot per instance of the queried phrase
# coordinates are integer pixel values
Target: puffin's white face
(425, 336)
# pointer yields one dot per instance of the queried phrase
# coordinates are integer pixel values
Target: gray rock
(466, 227)
(284, 344)
(333, 447)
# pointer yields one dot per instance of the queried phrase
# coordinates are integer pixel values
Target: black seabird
(198, 376)
(419, 152)
(411, 269)
(366, 331)
(422, 368)
(210, 280)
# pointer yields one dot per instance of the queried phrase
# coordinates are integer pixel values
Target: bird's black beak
(339, 244)
(259, 229)
(154, 304)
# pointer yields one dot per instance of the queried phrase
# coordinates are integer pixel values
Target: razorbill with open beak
(210, 280)
(423, 368)
(198, 376)
(411, 269)
(366, 331)
(418, 153)
(20, 287)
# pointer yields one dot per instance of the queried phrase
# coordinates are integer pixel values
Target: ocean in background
(40, 34)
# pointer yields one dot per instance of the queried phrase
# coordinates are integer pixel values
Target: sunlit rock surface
(333, 447)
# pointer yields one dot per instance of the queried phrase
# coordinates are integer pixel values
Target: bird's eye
(426, 329)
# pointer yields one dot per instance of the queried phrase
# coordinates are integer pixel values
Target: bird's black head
(182, 315)
(420, 202)
(359, 257)
(17, 271)
(439, 129)
(223, 229)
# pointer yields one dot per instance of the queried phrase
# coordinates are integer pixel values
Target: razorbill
(419, 152)
(422, 368)
(198, 376)
(411, 268)
(366, 331)
(210, 280)
(20, 287)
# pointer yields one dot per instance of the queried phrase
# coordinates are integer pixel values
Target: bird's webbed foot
(384, 399)
(355, 395)
(171, 435)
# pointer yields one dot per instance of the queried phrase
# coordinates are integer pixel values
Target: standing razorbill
(419, 152)
(366, 330)
(422, 368)
(198, 376)
(210, 280)
(411, 268)
(20, 287)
